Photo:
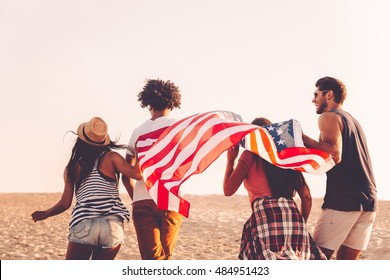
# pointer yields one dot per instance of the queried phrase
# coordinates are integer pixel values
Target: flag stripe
(144, 141)
(252, 141)
(267, 143)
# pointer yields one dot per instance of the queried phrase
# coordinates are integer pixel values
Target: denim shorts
(104, 232)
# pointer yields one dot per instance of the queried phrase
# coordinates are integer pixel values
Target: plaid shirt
(276, 231)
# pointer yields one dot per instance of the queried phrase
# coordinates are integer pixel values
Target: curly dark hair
(337, 86)
(160, 95)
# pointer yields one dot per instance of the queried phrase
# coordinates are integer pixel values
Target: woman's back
(255, 181)
(98, 194)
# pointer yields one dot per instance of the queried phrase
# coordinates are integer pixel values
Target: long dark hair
(283, 182)
(83, 159)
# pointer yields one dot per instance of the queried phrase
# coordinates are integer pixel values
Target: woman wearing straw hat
(96, 228)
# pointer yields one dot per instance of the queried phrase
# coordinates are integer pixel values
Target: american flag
(190, 145)
(281, 144)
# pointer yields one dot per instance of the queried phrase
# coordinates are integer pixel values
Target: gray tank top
(350, 184)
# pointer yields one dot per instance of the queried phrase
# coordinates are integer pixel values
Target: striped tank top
(98, 196)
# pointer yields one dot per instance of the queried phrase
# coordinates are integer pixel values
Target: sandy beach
(212, 231)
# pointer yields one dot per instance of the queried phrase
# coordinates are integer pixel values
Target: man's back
(351, 184)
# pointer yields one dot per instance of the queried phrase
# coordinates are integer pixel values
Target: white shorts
(351, 229)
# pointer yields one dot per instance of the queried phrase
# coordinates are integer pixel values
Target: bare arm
(62, 205)
(330, 141)
(233, 176)
(306, 200)
(127, 168)
(128, 183)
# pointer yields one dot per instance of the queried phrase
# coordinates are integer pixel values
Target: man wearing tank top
(350, 201)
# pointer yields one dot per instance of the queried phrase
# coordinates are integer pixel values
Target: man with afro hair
(156, 229)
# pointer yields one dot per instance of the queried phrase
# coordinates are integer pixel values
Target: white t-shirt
(140, 190)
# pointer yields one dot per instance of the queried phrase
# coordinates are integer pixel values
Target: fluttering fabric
(190, 145)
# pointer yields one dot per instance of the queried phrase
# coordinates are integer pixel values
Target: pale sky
(63, 62)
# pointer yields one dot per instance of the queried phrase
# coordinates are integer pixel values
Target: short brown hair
(335, 85)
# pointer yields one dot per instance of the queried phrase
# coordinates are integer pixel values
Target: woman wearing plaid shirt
(276, 229)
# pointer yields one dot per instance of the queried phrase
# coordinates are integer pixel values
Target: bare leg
(345, 253)
(328, 253)
(78, 251)
(106, 254)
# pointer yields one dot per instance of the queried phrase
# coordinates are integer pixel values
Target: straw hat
(94, 132)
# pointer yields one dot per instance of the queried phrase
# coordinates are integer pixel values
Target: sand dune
(212, 232)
